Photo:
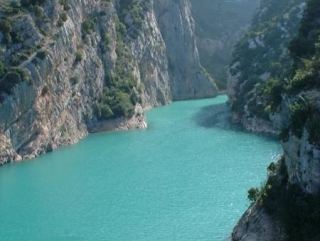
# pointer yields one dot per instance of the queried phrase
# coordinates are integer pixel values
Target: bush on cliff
(298, 212)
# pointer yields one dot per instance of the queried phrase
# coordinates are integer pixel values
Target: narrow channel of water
(184, 178)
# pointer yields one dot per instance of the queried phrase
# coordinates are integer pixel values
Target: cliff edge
(71, 67)
(287, 206)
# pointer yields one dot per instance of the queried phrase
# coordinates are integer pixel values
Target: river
(184, 178)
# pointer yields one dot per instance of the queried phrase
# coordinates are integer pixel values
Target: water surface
(184, 178)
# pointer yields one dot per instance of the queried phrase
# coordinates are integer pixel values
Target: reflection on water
(216, 116)
(219, 116)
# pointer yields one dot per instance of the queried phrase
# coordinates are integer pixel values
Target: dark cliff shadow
(219, 116)
(216, 116)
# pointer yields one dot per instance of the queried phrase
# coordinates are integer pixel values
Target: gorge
(73, 67)
(274, 88)
(69, 68)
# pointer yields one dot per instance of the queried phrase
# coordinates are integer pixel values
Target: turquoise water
(184, 178)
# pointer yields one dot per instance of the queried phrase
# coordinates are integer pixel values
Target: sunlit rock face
(88, 66)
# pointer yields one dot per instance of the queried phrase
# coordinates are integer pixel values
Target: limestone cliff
(289, 202)
(71, 67)
(260, 61)
(219, 26)
(182, 52)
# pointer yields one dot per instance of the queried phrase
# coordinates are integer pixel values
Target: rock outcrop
(73, 67)
(260, 61)
(256, 225)
(177, 28)
(287, 205)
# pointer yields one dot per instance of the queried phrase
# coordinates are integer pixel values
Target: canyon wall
(72, 67)
(274, 88)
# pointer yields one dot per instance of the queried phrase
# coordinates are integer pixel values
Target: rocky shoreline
(256, 225)
(137, 121)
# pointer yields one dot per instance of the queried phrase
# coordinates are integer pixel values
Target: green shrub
(25, 3)
(38, 11)
(15, 4)
(42, 54)
(272, 92)
(39, 2)
(299, 113)
(17, 37)
(74, 80)
(114, 103)
(60, 23)
(79, 55)
(253, 194)
(5, 26)
(297, 211)
(2, 68)
(13, 77)
(88, 27)
(64, 16)
(7, 38)
(9, 81)
(18, 58)
(103, 111)
(65, 4)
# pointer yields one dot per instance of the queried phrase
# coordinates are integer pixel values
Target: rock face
(177, 28)
(219, 26)
(256, 225)
(74, 67)
(291, 100)
(260, 61)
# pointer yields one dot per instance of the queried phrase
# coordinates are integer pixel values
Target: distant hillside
(219, 25)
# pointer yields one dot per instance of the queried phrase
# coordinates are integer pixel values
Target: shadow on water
(219, 116)
(216, 116)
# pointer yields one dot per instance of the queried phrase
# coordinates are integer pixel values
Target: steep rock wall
(74, 67)
(177, 28)
(290, 197)
(260, 61)
(219, 26)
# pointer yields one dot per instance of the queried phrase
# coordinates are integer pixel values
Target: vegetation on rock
(261, 61)
(287, 202)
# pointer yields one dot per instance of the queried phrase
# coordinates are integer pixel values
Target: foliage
(87, 27)
(79, 55)
(38, 11)
(62, 18)
(272, 93)
(105, 42)
(298, 212)
(12, 77)
(298, 116)
(65, 4)
(261, 59)
(27, 3)
(120, 95)
(5, 26)
(42, 54)
(114, 103)
(2, 68)
(135, 10)
(253, 194)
